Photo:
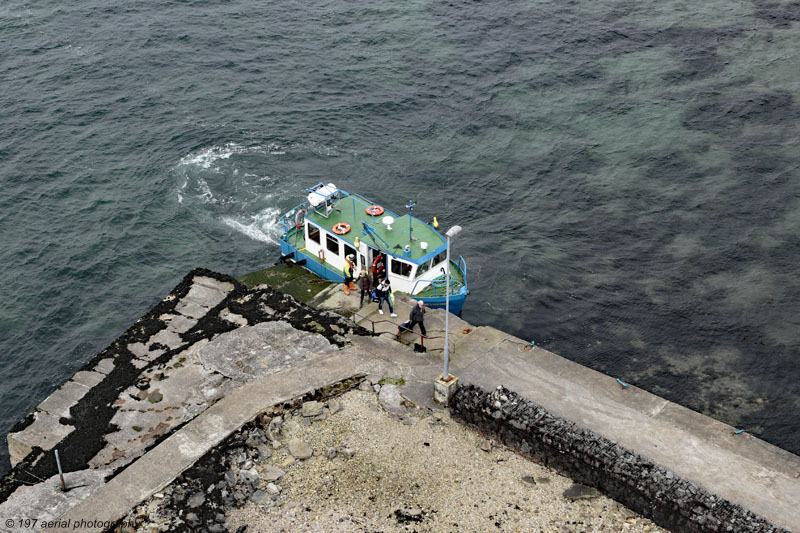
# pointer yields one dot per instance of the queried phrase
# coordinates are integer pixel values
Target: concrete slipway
(213, 355)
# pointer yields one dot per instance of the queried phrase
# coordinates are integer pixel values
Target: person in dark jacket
(416, 316)
(365, 283)
(385, 293)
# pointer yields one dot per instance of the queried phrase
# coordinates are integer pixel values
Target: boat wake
(262, 227)
(206, 158)
(225, 186)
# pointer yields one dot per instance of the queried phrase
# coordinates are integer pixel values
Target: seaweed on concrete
(91, 416)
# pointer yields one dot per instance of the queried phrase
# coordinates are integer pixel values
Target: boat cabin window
(348, 250)
(313, 233)
(439, 258)
(423, 268)
(332, 244)
(401, 268)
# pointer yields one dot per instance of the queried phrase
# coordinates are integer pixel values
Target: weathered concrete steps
(52, 420)
(161, 465)
(207, 338)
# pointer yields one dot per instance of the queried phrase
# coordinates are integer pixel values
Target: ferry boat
(333, 224)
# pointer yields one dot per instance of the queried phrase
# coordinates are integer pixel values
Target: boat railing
(438, 286)
(439, 283)
(363, 202)
(371, 233)
(288, 221)
(400, 330)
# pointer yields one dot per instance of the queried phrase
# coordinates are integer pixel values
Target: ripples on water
(625, 172)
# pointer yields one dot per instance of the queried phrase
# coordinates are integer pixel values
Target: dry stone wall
(590, 459)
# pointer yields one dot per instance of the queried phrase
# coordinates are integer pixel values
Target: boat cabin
(333, 224)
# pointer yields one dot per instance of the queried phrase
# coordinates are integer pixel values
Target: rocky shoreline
(370, 460)
(140, 389)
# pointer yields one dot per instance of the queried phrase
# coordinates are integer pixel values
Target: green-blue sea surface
(626, 173)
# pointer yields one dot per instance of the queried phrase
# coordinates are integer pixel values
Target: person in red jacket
(378, 270)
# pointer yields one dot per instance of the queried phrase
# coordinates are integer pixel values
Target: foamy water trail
(205, 190)
(232, 190)
(208, 156)
(262, 227)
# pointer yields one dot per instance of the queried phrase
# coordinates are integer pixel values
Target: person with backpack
(384, 293)
(416, 316)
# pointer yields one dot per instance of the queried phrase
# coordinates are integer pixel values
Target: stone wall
(590, 459)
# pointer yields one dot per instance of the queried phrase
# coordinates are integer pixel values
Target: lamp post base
(443, 389)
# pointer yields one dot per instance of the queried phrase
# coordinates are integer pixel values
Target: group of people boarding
(381, 286)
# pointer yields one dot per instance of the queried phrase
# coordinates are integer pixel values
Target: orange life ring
(374, 210)
(341, 228)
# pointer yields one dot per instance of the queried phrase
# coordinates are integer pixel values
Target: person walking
(384, 293)
(349, 269)
(365, 283)
(416, 316)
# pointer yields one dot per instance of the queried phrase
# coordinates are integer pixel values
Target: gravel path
(424, 473)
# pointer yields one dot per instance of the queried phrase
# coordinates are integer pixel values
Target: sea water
(626, 173)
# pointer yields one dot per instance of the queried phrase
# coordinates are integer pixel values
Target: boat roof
(351, 209)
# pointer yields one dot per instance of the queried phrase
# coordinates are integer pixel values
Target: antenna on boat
(410, 208)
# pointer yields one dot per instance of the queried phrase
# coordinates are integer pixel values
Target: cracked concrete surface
(204, 294)
(206, 384)
(254, 351)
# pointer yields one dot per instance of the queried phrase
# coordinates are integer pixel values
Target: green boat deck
(351, 210)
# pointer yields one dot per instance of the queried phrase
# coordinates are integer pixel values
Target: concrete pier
(214, 354)
(740, 468)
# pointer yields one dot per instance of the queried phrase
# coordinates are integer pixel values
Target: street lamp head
(452, 232)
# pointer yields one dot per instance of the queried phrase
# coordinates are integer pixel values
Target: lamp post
(452, 232)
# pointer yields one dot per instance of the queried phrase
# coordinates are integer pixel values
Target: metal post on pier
(445, 386)
(452, 232)
(61, 474)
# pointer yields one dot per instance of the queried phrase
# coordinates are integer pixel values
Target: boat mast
(410, 208)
